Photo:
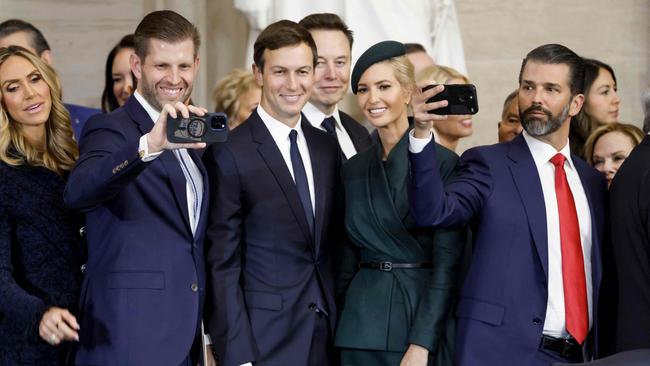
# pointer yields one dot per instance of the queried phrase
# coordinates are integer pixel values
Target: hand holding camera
(157, 138)
(421, 107)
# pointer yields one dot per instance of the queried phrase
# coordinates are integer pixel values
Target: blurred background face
(602, 102)
(25, 95)
(248, 101)
(610, 151)
(121, 73)
(455, 126)
(380, 95)
(332, 73)
(510, 125)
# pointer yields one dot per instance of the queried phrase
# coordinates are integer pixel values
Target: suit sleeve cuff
(143, 150)
(416, 145)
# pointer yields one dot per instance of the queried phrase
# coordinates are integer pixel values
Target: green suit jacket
(387, 311)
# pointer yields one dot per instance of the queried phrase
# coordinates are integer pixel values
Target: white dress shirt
(280, 133)
(555, 323)
(194, 193)
(316, 117)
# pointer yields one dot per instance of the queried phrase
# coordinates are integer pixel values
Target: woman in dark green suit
(396, 283)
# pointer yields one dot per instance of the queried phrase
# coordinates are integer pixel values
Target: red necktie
(573, 267)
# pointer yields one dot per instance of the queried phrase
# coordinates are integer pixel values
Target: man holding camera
(270, 298)
(146, 203)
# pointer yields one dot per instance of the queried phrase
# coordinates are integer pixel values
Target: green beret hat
(379, 52)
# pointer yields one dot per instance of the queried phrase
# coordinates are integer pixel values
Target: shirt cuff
(416, 145)
(247, 364)
(143, 150)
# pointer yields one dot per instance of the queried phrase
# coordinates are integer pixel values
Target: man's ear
(258, 76)
(46, 56)
(576, 104)
(136, 66)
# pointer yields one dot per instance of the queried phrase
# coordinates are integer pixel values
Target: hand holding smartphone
(461, 99)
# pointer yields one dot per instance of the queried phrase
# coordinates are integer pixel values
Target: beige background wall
(497, 34)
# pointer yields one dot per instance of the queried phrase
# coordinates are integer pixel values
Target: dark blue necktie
(329, 126)
(301, 180)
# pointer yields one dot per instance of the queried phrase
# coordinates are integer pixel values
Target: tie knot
(328, 125)
(293, 136)
(558, 160)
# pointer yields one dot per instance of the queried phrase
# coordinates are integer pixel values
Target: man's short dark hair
(507, 102)
(327, 21)
(414, 47)
(164, 25)
(280, 34)
(559, 54)
(36, 38)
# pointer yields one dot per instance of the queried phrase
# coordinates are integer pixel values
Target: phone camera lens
(218, 123)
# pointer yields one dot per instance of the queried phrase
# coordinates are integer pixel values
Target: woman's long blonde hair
(61, 150)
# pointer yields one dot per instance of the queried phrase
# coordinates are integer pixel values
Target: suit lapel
(271, 155)
(316, 153)
(167, 158)
(206, 191)
(526, 178)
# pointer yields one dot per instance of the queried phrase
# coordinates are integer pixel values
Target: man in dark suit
(146, 209)
(271, 219)
(20, 33)
(332, 78)
(630, 233)
(531, 294)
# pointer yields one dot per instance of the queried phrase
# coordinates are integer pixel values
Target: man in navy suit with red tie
(531, 294)
(146, 208)
(270, 296)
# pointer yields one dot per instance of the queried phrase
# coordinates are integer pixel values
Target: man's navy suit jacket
(502, 306)
(268, 273)
(142, 295)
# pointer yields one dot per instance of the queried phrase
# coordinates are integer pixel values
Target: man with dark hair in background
(146, 209)
(20, 33)
(332, 79)
(418, 57)
(531, 294)
(510, 125)
(272, 218)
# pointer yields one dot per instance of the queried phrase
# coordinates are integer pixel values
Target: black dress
(41, 254)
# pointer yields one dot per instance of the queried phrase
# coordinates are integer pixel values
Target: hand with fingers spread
(423, 119)
(157, 137)
(58, 325)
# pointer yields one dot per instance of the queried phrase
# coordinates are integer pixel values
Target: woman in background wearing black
(40, 242)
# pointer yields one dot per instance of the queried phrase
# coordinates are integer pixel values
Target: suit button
(194, 287)
(312, 306)
(82, 231)
(83, 268)
(537, 321)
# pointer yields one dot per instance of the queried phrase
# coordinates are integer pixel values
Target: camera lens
(218, 122)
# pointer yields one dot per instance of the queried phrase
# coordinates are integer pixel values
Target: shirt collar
(151, 111)
(543, 152)
(316, 117)
(278, 130)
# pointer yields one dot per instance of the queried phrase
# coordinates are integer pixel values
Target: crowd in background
(301, 240)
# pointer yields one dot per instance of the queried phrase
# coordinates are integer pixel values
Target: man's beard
(149, 94)
(538, 127)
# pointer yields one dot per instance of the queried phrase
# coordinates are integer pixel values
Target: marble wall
(496, 33)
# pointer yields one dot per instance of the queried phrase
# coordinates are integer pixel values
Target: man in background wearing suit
(332, 78)
(20, 33)
(531, 294)
(629, 202)
(271, 222)
(146, 206)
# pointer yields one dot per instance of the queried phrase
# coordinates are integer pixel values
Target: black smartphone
(209, 128)
(461, 98)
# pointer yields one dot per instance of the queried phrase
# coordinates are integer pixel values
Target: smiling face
(25, 94)
(332, 73)
(121, 74)
(602, 102)
(610, 150)
(167, 74)
(286, 81)
(381, 97)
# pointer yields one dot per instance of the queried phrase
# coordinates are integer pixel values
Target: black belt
(567, 348)
(389, 266)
